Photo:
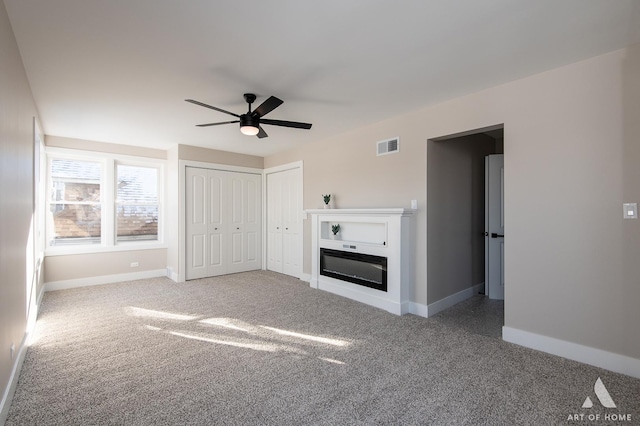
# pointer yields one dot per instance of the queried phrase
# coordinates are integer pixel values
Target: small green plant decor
(327, 199)
(335, 229)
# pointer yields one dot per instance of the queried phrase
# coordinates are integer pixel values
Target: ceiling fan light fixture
(249, 125)
(249, 130)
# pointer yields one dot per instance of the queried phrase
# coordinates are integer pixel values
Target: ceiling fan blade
(283, 123)
(267, 106)
(261, 133)
(217, 124)
(212, 107)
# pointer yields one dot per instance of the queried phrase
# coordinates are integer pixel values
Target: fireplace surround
(370, 261)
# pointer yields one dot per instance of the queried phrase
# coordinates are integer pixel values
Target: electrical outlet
(134, 264)
(630, 210)
(13, 350)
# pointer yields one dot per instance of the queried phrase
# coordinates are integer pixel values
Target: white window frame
(120, 162)
(108, 184)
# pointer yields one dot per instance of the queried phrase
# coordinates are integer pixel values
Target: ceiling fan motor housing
(249, 120)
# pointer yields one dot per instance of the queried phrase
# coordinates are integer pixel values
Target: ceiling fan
(251, 120)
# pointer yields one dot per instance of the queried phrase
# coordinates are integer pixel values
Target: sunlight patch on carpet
(334, 342)
(150, 313)
(333, 361)
(223, 322)
(264, 347)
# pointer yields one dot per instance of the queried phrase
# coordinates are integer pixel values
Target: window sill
(90, 249)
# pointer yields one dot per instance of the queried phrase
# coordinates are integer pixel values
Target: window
(74, 202)
(136, 203)
(102, 201)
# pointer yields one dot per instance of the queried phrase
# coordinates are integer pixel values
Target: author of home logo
(603, 396)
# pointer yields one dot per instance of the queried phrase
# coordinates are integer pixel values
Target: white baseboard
(40, 296)
(313, 283)
(104, 279)
(574, 351)
(419, 309)
(305, 277)
(397, 308)
(172, 275)
(21, 352)
(7, 397)
(453, 299)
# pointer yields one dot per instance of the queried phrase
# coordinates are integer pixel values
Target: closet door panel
(198, 252)
(216, 224)
(274, 222)
(223, 214)
(246, 206)
(252, 222)
(216, 201)
(284, 222)
(253, 206)
(196, 223)
(292, 222)
(253, 245)
(236, 206)
(236, 250)
(216, 258)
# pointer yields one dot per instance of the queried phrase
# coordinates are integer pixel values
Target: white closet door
(284, 222)
(197, 244)
(274, 222)
(244, 201)
(217, 259)
(292, 222)
(223, 222)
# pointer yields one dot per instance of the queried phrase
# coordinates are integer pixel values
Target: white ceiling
(119, 70)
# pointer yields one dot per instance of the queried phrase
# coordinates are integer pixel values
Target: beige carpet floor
(261, 348)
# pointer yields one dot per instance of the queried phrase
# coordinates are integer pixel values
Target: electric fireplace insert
(358, 268)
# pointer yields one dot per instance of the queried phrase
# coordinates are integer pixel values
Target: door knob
(494, 235)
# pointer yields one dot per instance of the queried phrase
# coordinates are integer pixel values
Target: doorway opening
(456, 241)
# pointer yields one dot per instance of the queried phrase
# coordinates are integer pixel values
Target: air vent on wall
(389, 146)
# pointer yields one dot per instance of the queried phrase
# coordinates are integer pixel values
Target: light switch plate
(630, 210)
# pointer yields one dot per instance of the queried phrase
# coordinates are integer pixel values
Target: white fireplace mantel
(385, 232)
(373, 212)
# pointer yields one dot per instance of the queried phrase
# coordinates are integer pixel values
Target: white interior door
(217, 241)
(494, 226)
(274, 222)
(244, 201)
(292, 222)
(198, 212)
(284, 222)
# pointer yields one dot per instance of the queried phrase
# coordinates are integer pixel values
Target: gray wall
(17, 110)
(194, 153)
(571, 159)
